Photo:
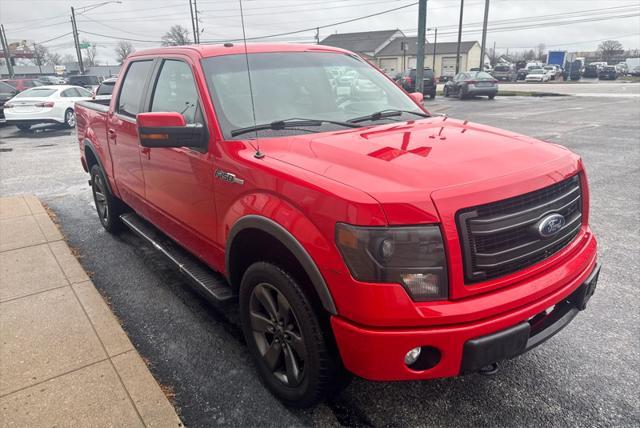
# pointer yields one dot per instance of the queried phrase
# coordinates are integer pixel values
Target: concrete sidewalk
(64, 359)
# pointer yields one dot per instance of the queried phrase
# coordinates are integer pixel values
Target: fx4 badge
(228, 177)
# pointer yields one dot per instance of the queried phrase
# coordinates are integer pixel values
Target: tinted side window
(69, 93)
(105, 88)
(131, 92)
(175, 91)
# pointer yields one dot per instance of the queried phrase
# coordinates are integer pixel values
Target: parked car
(45, 104)
(86, 81)
(408, 82)
(51, 80)
(504, 72)
(573, 70)
(369, 236)
(22, 84)
(609, 72)
(537, 75)
(635, 71)
(552, 71)
(622, 68)
(6, 93)
(522, 74)
(104, 90)
(470, 84)
(591, 70)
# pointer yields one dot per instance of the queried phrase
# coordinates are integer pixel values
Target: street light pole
(76, 40)
(435, 40)
(422, 21)
(459, 37)
(484, 34)
(193, 22)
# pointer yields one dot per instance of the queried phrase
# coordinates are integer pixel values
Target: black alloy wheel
(277, 334)
(108, 206)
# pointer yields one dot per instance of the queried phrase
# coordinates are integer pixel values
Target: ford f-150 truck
(356, 232)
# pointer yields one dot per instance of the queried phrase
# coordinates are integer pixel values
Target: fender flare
(88, 145)
(288, 240)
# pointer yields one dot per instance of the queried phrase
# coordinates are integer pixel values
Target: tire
(70, 118)
(108, 206)
(294, 359)
(461, 96)
(491, 97)
(24, 127)
(432, 95)
(445, 92)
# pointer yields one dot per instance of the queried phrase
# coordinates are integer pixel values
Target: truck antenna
(258, 154)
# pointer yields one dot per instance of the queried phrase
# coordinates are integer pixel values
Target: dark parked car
(504, 72)
(408, 82)
(22, 84)
(608, 73)
(573, 71)
(89, 82)
(105, 89)
(590, 71)
(6, 93)
(522, 74)
(470, 84)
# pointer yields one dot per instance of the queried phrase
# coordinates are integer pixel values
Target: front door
(122, 134)
(179, 181)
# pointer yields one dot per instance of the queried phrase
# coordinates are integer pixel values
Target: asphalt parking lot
(588, 375)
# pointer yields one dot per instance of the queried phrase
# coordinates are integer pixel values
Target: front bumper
(378, 354)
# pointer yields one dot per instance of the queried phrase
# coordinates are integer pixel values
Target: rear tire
(491, 97)
(108, 206)
(69, 118)
(445, 92)
(24, 127)
(432, 96)
(289, 347)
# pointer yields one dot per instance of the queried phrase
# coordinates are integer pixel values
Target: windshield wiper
(290, 123)
(383, 114)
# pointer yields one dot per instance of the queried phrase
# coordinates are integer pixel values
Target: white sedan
(45, 104)
(537, 75)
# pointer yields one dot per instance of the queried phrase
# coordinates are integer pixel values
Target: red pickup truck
(356, 232)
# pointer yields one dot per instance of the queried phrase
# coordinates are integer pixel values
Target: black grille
(502, 237)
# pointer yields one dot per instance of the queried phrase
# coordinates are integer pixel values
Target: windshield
(501, 68)
(36, 93)
(106, 88)
(309, 85)
(83, 80)
(537, 71)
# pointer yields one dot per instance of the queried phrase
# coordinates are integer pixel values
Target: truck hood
(404, 163)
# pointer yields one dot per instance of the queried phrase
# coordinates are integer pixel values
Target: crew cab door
(179, 181)
(122, 133)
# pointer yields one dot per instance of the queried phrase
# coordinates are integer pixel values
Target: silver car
(470, 84)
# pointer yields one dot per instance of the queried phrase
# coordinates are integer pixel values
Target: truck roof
(205, 51)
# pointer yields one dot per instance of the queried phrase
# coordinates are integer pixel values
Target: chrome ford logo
(550, 225)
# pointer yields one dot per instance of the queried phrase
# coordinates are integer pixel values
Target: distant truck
(633, 66)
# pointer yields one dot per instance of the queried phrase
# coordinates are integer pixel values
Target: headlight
(412, 256)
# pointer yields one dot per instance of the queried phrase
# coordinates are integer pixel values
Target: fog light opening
(422, 358)
(412, 356)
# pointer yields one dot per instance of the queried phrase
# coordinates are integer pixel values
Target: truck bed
(98, 105)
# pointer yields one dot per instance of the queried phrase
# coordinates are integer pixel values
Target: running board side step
(209, 283)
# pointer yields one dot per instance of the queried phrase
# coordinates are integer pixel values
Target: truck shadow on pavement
(40, 131)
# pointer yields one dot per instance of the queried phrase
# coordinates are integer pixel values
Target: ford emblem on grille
(550, 225)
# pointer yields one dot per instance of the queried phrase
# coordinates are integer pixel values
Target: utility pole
(317, 35)
(435, 40)
(459, 37)
(195, 11)
(422, 21)
(193, 22)
(39, 59)
(484, 34)
(76, 40)
(6, 51)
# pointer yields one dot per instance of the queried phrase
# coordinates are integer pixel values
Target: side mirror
(169, 129)
(417, 97)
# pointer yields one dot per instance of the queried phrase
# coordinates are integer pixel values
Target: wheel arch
(252, 226)
(92, 158)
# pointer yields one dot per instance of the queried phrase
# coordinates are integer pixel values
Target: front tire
(291, 351)
(445, 92)
(108, 206)
(69, 118)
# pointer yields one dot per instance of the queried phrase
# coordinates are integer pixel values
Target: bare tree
(610, 48)
(123, 50)
(68, 59)
(90, 54)
(54, 59)
(40, 54)
(176, 36)
(529, 55)
(540, 51)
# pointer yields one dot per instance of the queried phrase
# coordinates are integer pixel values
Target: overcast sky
(145, 21)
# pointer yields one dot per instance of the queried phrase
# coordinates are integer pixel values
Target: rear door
(179, 181)
(122, 133)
